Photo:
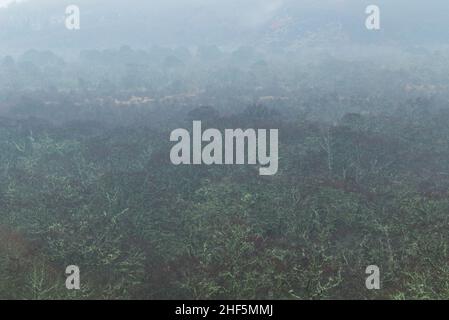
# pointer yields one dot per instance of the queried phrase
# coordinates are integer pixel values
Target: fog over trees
(361, 120)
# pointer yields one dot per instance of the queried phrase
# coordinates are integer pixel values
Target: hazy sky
(106, 23)
(5, 3)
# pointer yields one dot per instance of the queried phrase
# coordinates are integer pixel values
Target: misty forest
(86, 177)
